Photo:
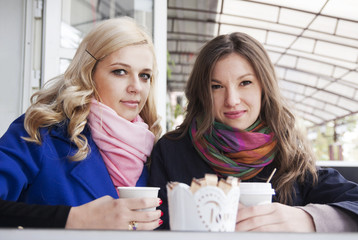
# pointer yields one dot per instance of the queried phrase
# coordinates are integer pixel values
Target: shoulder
(60, 130)
(326, 176)
(18, 123)
(172, 140)
(331, 184)
(16, 129)
(173, 149)
(330, 175)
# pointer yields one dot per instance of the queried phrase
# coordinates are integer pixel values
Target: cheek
(255, 101)
(218, 104)
(146, 90)
(218, 99)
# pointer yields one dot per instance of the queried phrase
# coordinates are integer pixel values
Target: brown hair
(295, 159)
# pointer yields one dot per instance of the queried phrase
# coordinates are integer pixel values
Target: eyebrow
(128, 66)
(243, 76)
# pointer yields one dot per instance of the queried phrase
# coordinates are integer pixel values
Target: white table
(42, 234)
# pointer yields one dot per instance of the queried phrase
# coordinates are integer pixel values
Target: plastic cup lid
(256, 188)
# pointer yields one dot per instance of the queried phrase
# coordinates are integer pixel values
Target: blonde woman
(87, 132)
(237, 124)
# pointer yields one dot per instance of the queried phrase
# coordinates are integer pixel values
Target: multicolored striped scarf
(231, 152)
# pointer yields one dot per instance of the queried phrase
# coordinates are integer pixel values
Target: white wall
(160, 43)
(12, 18)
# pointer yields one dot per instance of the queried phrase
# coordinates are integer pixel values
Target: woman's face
(236, 92)
(123, 79)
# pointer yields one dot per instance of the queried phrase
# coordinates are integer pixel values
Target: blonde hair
(295, 159)
(68, 96)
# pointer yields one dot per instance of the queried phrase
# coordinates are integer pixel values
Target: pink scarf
(124, 145)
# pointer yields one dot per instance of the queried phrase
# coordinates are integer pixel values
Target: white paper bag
(208, 209)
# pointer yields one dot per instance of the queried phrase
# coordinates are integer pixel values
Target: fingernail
(161, 213)
(160, 201)
(160, 221)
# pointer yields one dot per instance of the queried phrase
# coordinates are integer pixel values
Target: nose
(134, 85)
(232, 97)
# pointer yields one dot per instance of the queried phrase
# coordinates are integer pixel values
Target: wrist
(72, 219)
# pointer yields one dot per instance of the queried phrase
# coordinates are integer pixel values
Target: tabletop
(52, 234)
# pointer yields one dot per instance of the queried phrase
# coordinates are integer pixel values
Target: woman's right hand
(109, 213)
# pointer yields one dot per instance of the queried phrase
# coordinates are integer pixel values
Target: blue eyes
(122, 72)
(145, 76)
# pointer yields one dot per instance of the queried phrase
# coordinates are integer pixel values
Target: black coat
(178, 160)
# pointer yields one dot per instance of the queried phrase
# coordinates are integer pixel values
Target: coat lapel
(93, 175)
(91, 172)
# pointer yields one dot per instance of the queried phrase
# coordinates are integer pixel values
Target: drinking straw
(273, 172)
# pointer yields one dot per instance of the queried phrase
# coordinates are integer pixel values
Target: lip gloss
(234, 114)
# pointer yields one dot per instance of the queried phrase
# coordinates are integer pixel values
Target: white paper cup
(256, 193)
(139, 192)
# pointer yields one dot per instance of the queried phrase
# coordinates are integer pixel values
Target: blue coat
(44, 174)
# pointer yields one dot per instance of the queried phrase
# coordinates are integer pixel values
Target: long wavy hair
(295, 159)
(68, 96)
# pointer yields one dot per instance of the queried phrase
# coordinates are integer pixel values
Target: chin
(240, 127)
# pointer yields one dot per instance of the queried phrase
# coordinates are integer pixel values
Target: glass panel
(338, 110)
(347, 29)
(304, 108)
(342, 8)
(307, 5)
(336, 51)
(295, 18)
(314, 67)
(79, 17)
(323, 114)
(324, 24)
(279, 39)
(322, 83)
(340, 88)
(326, 97)
(313, 102)
(345, 103)
(301, 77)
(287, 61)
(303, 44)
(252, 10)
(260, 35)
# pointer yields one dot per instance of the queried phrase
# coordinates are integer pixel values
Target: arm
(158, 178)
(331, 219)
(19, 161)
(18, 214)
(277, 217)
(332, 189)
(102, 213)
(329, 206)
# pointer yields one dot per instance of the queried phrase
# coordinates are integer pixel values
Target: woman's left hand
(274, 217)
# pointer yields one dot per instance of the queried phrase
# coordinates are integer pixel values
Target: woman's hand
(109, 213)
(274, 217)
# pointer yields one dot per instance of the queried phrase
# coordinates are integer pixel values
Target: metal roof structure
(312, 43)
